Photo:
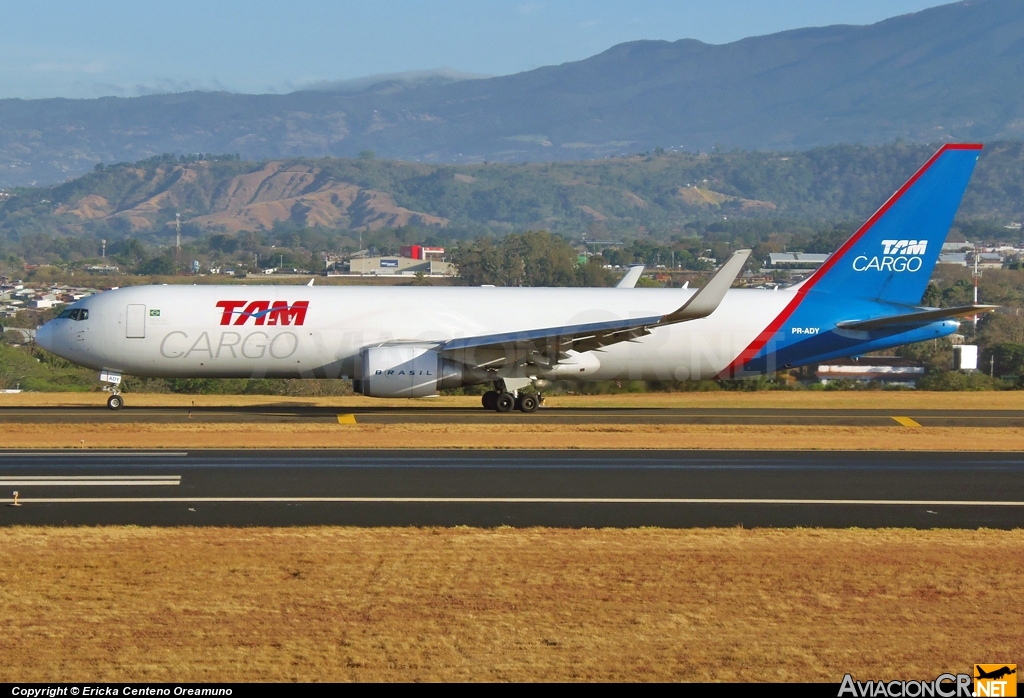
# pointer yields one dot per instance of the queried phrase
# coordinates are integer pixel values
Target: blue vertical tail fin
(891, 256)
(888, 260)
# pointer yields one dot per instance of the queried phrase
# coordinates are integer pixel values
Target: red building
(422, 252)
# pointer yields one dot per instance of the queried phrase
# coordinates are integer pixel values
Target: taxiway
(290, 413)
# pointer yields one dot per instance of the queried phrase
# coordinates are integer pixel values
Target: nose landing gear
(115, 401)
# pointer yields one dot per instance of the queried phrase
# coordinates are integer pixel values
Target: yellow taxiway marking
(346, 419)
(906, 421)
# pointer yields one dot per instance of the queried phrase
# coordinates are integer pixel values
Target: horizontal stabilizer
(923, 317)
(631, 277)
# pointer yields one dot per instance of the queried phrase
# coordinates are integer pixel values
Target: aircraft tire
(490, 400)
(115, 402)
(504, 403)
(528, 403)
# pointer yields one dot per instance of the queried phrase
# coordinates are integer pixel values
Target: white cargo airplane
(415, 341)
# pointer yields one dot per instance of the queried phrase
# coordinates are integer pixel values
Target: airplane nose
(44, 336)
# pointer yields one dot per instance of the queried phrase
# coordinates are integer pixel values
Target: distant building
(960, 246)
(795, 260)
(422, 252)
(25, 335)
(956, 258)
(965, 357)
(990, 260)
(390, 266)
(749, 278)
(882, 369)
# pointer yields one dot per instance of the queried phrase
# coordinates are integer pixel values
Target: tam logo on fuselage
(263, 312)
(897, 255)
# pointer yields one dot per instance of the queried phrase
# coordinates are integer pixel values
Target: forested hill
(657, 193)
(947, 73)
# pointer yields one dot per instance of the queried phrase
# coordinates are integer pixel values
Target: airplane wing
(922, 317)
(546, 346)
(631, 277)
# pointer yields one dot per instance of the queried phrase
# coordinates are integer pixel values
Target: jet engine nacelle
(406, 370)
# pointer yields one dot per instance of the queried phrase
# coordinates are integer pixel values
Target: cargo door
(135, 322)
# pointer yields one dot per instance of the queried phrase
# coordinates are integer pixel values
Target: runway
(517, 488)
(290, 413)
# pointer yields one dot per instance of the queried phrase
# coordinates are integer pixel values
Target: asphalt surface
(286, 413)
(518, 488)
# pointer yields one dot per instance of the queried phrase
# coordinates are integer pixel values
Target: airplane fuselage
(236, 332)
(414, 341)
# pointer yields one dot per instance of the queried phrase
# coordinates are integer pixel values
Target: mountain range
(660, 193)
(951, 72)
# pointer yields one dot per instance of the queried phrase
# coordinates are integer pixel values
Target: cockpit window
(75, 314)
(66, 313)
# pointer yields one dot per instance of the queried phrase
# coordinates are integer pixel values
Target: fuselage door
(135, 324)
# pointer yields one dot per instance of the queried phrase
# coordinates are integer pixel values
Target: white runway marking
(507, 500)
(88, 480)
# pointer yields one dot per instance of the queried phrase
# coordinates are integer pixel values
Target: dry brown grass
(511, 435)
(326, 604)
(896, 400)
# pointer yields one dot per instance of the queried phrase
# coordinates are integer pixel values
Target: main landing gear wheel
(505, 403)
(528, 403)
(490, 399)
(115, 402)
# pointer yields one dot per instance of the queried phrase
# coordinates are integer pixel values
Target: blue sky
(68, 48)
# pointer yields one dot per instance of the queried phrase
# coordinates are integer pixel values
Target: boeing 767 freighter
(415, 341)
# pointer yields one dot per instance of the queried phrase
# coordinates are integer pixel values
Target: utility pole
(177, 241)
(977, 275)
(103, 249)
